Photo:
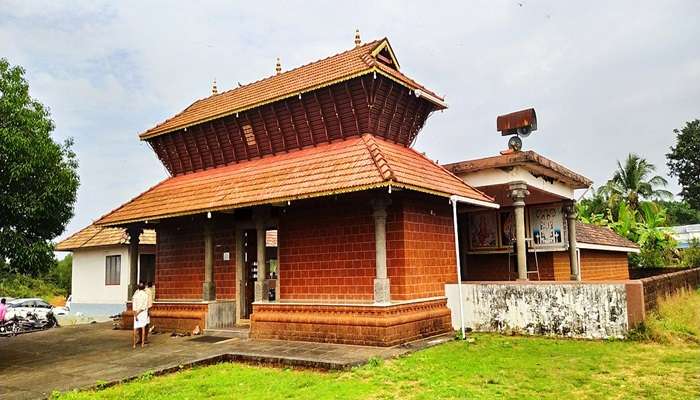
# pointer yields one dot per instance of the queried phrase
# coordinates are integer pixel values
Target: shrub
(677, 319)
(690, 257)
(17, 285)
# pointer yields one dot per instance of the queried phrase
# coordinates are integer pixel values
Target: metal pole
(459, 266)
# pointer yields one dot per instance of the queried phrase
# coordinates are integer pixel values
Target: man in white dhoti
(139, 304)
(151, 292)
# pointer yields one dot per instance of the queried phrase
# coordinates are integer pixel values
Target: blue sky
(606, 78)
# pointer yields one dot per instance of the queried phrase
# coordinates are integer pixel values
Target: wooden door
(250, 270)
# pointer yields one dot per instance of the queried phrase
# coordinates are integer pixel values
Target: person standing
(3, 310)
(139, 305)
(151, 292)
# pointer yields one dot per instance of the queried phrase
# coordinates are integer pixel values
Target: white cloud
(605, 77)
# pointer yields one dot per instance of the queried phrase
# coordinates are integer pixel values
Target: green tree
(61, 272)
(684, 161)
(634, 181)
(38, 178)
(680, 213)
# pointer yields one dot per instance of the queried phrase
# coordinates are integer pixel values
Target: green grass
(492, 367)
(676, 320)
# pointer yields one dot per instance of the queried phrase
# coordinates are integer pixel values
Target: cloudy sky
(606, 78)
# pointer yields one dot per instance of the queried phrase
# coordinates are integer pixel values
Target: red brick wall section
(599, 265)
(180, 260)
(358, 325)
(181, 318)
(561, 266)
(326, 250)
(660, 286)
(420, 252)
(596, 265)
(494, 267)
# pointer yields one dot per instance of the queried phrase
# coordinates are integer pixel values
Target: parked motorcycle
(29, 323)
(9, 327)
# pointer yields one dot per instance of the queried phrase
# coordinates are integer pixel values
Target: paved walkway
(34, 365)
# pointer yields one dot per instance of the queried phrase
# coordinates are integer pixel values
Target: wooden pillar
(571, 216)
(381, 282)
(518, 192)
(240, 283)
(134, 237)
(209, 286)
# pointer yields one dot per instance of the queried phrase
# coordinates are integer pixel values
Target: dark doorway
(250, 271)
(147, 268)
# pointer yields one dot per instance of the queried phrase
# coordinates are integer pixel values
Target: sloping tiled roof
(350, 165)
(95, 236)
(601, 235)
(347, 65)
(528, 159)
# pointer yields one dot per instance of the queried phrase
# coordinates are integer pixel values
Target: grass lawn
(492, 367)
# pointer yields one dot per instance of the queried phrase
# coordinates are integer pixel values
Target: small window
(249, 136)
(113, 270)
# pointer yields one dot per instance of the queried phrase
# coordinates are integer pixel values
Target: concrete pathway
(34, 365)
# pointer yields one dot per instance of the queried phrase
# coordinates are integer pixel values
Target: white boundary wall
(571, 309)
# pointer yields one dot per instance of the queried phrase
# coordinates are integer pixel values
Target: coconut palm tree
(633, 181)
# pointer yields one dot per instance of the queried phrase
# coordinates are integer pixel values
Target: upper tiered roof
(373, 57)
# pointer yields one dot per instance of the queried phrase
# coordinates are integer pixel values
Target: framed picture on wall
(547, 227)
(483, 231)
(507, 224)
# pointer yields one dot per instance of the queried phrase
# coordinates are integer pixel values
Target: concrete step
(235, 332)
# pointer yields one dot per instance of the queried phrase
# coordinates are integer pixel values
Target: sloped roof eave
(342, 167)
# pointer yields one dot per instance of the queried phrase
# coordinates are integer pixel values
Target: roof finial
(358, 41)
(278, 67)
(214, 90)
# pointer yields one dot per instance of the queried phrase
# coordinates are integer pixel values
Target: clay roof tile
(355, 164)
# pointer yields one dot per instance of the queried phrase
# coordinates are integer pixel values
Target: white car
(21, 307)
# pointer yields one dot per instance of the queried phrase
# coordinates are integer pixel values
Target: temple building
(321, 154)
(366, 226)
(536, 194)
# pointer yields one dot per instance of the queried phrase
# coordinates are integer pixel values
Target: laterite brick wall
(598, 265)
(494, 267)
(326, 250)
(421, 252)
(180, 260)
(358, 325)
(660, 286)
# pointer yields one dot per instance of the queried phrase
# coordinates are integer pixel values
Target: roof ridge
(369, 45)
(294, 69)
(380, 162)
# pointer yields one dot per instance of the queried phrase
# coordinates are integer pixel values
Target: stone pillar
(571, 216)
(260, 294)
(518, 192)
(381, 282)
(209, 285)
(240, 265)
(134, 237)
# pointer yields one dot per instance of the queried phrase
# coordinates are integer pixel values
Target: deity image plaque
(547, 225)
(483, 231)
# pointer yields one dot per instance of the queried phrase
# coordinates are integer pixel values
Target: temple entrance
(250, 271)
(147, 268)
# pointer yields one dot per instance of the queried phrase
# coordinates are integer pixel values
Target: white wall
(89, 276)
(580, 310)
(495, 176)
